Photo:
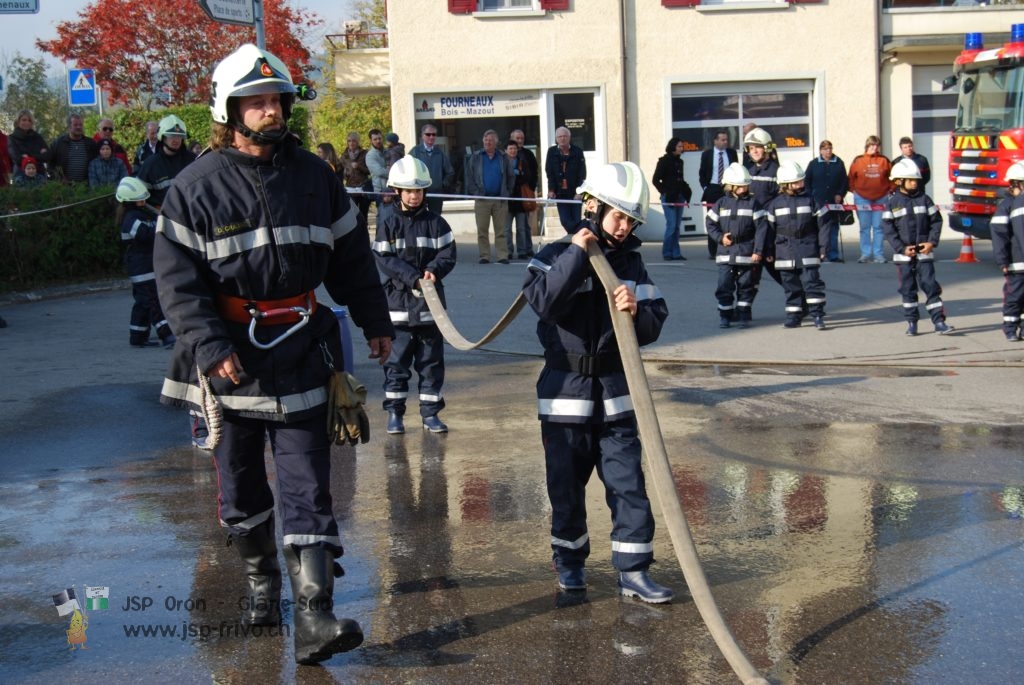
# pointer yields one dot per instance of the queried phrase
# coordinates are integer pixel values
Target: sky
(18, 32)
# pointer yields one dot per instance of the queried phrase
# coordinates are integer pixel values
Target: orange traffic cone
(967, 252)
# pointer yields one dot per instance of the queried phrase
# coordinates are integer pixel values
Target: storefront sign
(469, 105)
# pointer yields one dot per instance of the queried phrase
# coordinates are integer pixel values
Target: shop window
(786, 116)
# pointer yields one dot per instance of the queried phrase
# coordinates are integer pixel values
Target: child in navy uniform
(413, 244)
(1008, 249)
(138, 225)
(586, 414)
(912, 223)
(737, 224)
(799, 233)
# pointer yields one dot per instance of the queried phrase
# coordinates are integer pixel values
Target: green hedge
(75, 239)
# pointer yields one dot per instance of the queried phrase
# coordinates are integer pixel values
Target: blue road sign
(81, 88)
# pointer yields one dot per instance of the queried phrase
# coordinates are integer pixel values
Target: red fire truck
(989, 132)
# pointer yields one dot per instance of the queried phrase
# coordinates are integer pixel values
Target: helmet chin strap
(597, 218)
(262, 137)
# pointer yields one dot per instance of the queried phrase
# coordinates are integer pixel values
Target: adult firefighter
(587, 418)
(246, 235)
(171, 157)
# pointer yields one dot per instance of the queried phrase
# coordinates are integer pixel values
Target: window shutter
(461, 6)
(554, 5)
(680, 3)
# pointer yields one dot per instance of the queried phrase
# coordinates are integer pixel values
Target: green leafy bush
(69, 236)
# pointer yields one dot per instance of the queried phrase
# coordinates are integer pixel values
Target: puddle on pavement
(882, 553)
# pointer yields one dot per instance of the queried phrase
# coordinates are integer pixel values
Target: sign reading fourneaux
(19, 6)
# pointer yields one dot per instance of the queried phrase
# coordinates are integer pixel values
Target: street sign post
(19, 6)
(241, 12)
(81, 88)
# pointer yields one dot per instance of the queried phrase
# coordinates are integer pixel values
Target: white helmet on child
(736, 175)
(409, 173)
(131, 189)
(904, 168)
(620, 185)
(1015, 172)
(789, 172)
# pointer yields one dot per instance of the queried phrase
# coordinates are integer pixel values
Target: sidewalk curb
(61, 291)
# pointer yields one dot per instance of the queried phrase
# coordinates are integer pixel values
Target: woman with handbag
(668, 179)
(826, 181)
(520, 243)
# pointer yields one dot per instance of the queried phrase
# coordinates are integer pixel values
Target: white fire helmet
(789, 172)
(409, 173)
(736, 175)
(904, 169)
(622, 186)
(131, 189)
(250, 71)
(757, 136)
(1015, 172)
(171, 125)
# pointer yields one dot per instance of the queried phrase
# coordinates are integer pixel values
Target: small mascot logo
(67, 603)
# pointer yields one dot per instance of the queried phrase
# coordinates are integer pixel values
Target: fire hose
(653, 447)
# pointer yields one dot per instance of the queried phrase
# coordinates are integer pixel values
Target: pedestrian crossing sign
(81, 88)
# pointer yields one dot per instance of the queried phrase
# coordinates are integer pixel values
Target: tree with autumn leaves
(143, 52)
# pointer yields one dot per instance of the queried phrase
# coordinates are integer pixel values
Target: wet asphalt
(856, 497)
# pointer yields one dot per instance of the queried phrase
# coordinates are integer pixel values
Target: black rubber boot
(318, 634)
(258, 550)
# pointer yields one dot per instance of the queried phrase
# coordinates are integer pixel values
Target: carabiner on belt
(303, 312)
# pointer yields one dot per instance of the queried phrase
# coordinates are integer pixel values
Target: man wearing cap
(246, 234)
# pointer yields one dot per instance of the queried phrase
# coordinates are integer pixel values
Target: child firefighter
(737, 224)
(412, 245)
(912, 223)
(799, 230)
(587, 418)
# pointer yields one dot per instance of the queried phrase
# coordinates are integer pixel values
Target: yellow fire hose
(653, 446)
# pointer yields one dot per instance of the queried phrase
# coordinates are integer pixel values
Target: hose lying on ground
(653, 446)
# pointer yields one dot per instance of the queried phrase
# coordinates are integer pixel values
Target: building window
(575, 111)
(489, 6)
(500, 5)
(785, 115)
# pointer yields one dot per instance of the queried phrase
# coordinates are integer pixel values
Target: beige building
(625, 76)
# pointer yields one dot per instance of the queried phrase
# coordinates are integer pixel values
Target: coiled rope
(653, 447)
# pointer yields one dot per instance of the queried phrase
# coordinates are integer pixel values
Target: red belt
(266, 312)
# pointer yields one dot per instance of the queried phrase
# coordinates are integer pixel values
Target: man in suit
(713, 162)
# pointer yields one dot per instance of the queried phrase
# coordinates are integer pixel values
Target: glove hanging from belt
(346, 420)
